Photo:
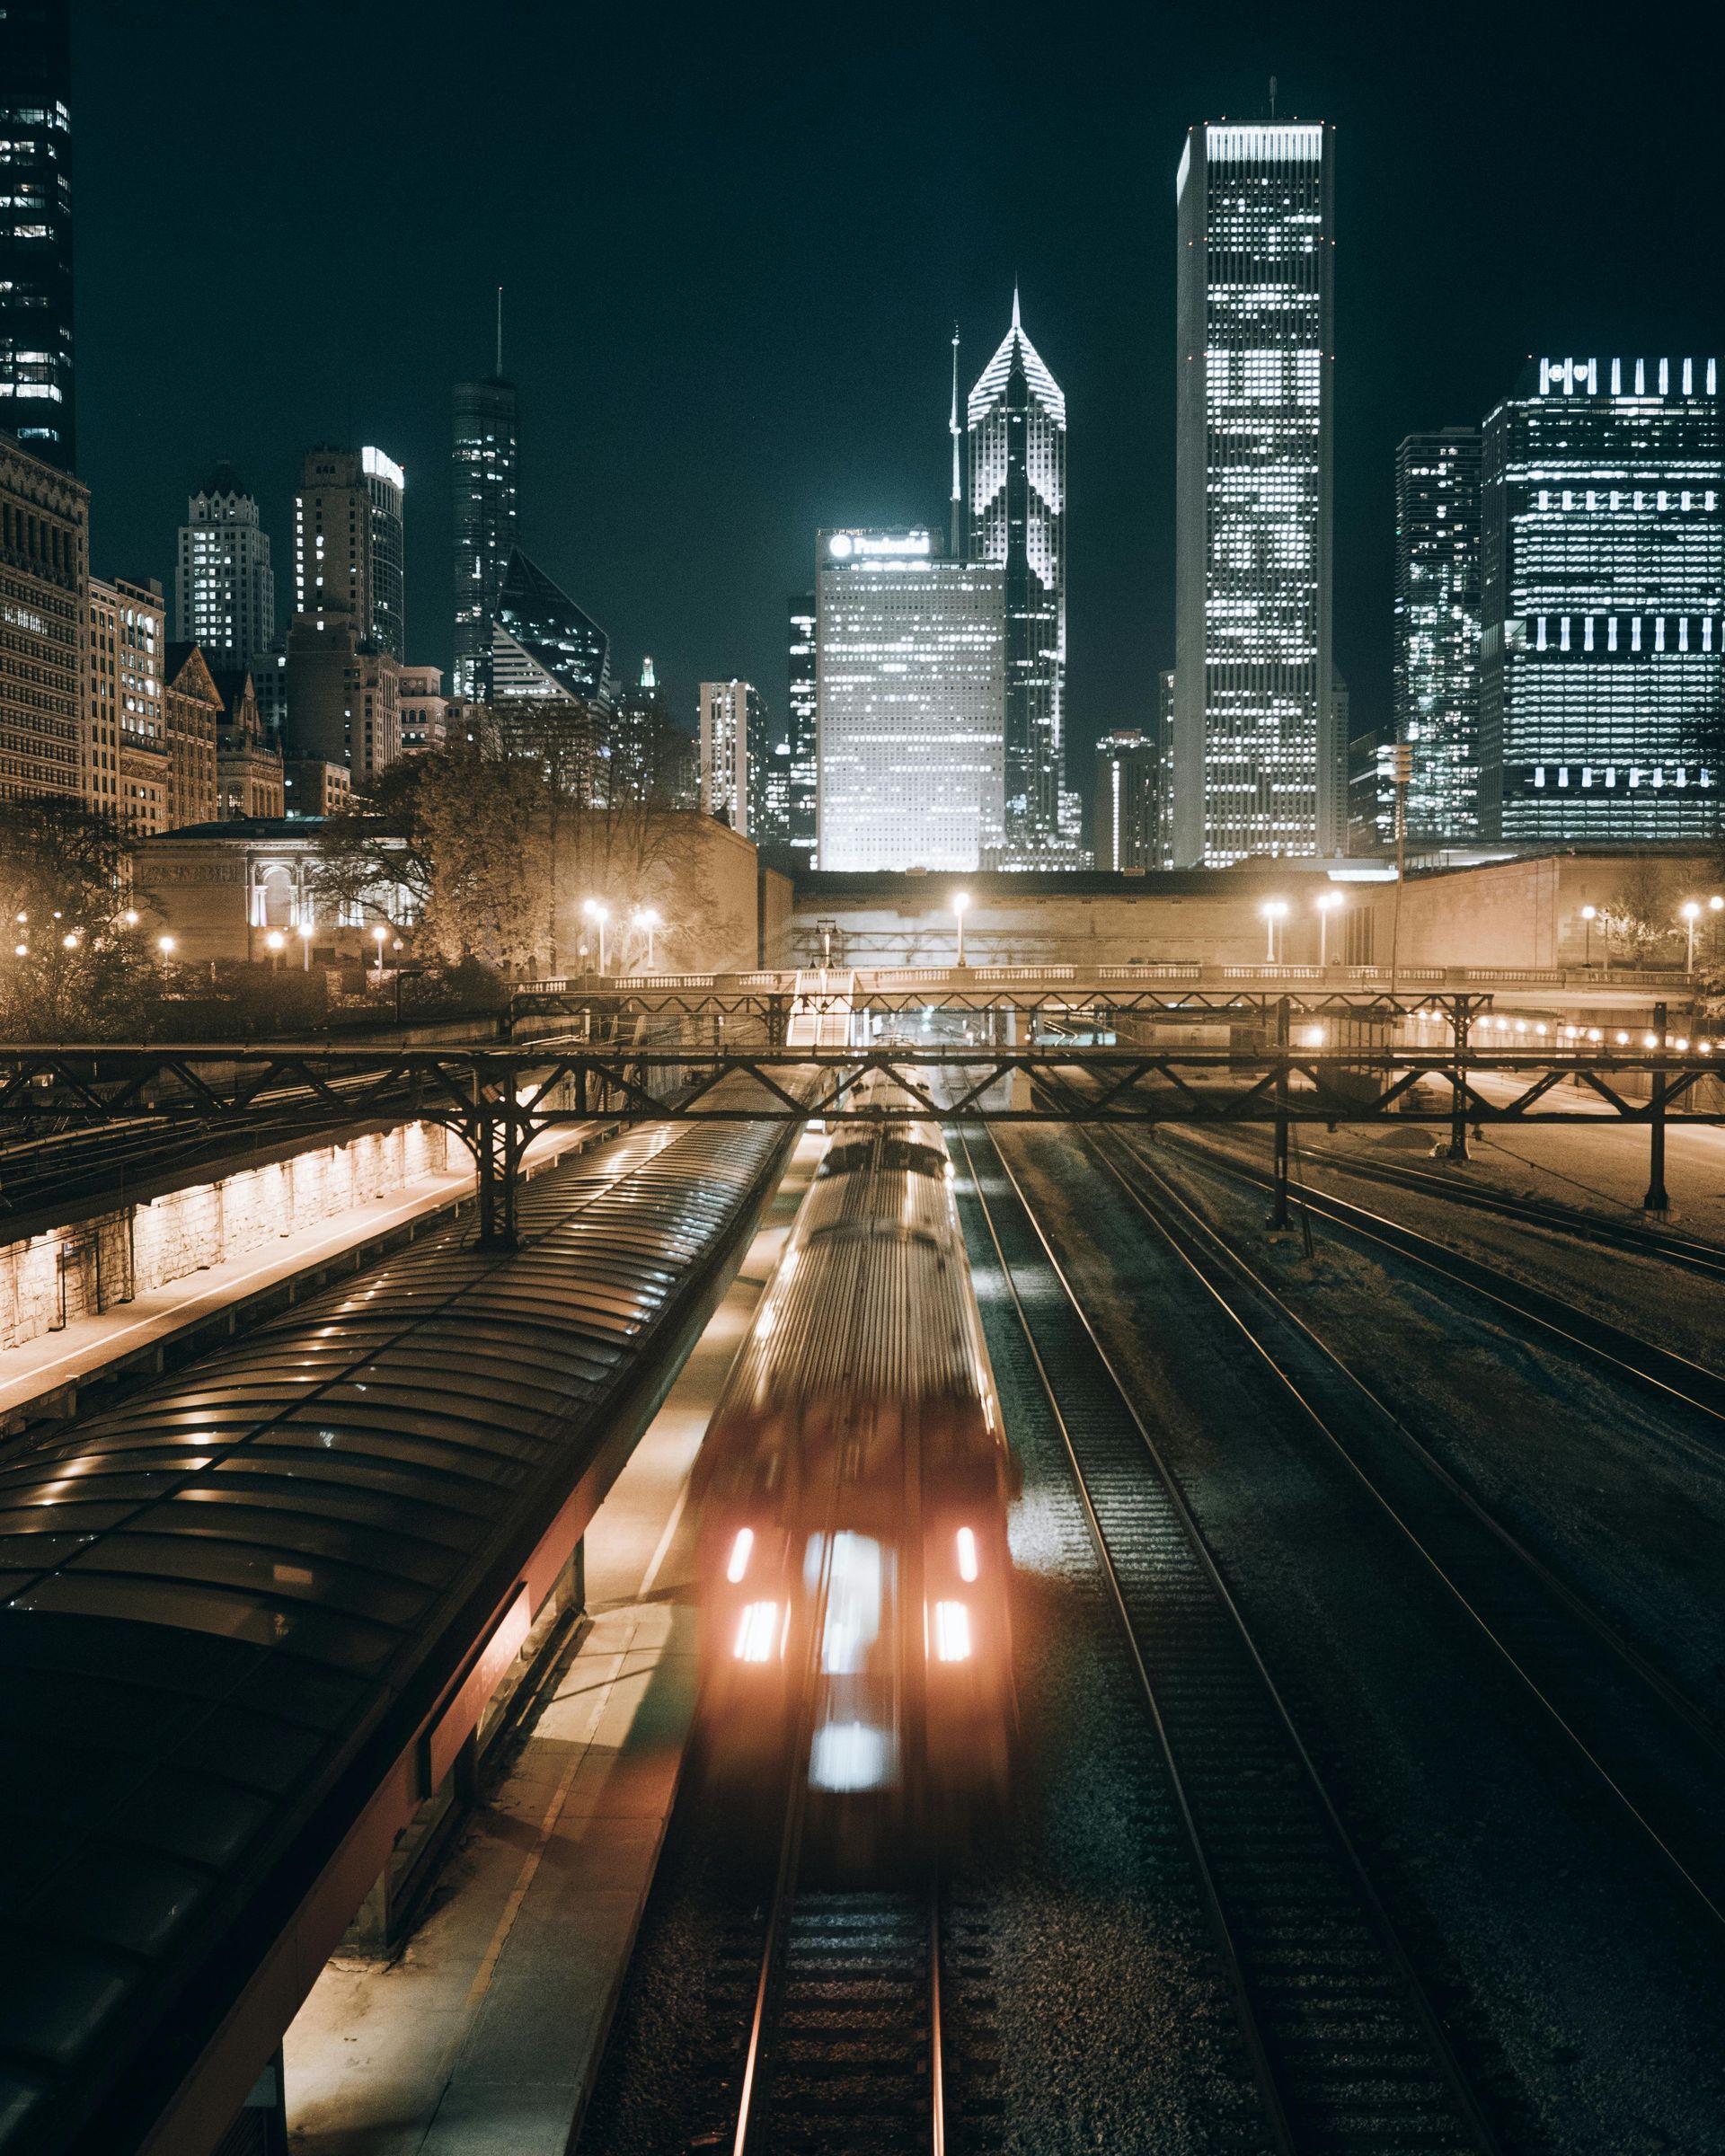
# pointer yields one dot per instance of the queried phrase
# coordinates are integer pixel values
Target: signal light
(757, 1633)
(967, 1554)
(740, 1553)
(951, 1631)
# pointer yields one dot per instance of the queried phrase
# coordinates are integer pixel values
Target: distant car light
(951, 1631)
(740, 1554)
(967, 1554)
(757, 1633)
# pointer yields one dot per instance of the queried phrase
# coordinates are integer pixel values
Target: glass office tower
(911, 692)
(542, 644)
(1016, 421)
(1437, 665)
(1259, 770)
(802, 702)
(223, 586)
(483, 479)
(1125, 827)
(1603, 557)
(36, 379)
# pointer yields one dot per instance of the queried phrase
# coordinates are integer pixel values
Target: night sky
(734, 242)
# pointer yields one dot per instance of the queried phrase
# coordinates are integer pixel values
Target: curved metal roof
(214, 1595)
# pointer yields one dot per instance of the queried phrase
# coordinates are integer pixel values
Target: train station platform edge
(484, 2036)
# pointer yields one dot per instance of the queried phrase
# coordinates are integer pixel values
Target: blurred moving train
(855, 1487)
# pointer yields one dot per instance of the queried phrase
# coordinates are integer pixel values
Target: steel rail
(1273, 2060)
(1194, 1227)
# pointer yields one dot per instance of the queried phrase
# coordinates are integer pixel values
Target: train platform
(483, 2037)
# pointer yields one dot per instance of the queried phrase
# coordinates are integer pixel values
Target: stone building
(194, 714)
(126, 759)
(248, 764)
(343, 695)
(44, 612)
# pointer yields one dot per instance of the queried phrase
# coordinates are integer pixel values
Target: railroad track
(1349, 2052)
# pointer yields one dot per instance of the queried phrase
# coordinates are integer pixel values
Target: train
(855, 1488)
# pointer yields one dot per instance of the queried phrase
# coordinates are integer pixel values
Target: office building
(423, 708)
(733, 724)
(350, 544)
(223, 586)
(1258, 767)
(44, 602)
(482, 467)
(1437, 656)
(646, 749)
(343, 695)
(248, 779)
(802, 715)
(1165, 733)
(192, 716)
(126, 761)
(269, 684)
(911, 703)
(542, 644)
(1602, 583)
(1016, 423)
(311, 787)
(1125, 827)
(36, 374)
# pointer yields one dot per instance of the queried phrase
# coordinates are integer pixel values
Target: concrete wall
(706, 889)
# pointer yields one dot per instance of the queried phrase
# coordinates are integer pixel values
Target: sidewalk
(484, 2037)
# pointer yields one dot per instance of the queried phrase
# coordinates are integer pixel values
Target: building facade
(481, 470)
(314, 788)
(1125, 827)
(1259, 769)
(344, 697)
(1437, 662)
(44, 614)
(423, 708)
(349, 544)
(802, 724)
(126, 762)
(911, 703)
(647, 748)
(1603, 575)
(733, 724)
(542, 644)
(1016, 423)
(249, 778)
(223, 586)
(193, 716)
(36, 370)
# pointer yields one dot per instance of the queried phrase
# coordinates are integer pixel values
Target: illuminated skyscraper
(1125, 827)
(911, 654)
(733, 721)
(224, 587)
(1436, 709)
(350, 550)
(1017, 425)
(482, 464)
(802, 729)
(36, 378)
(1601, 657)
(1258, 766)
(542, 644)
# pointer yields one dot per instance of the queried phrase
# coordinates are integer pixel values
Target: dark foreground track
(1350, 2057)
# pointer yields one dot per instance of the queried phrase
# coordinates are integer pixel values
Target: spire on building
(957, 478)
(1015, 320)
(649, 679)
(499, 332)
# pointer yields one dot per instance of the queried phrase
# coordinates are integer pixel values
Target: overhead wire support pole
(1279, 1208)
(1461, 1019)
(1656, 1200)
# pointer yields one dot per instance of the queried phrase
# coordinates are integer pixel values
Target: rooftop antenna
(499, 332)
(952, 428)
(1272, 100)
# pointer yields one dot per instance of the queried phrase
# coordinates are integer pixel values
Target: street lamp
(1589, 915)
(646, 918)
(961, 900)
(276, 943)
(167, 946)
(1691, 913)
(1275, 910)
(379, 936)
(601, 913)
(131, 917)
(1328, 901)
(70, 941)
(305, 932)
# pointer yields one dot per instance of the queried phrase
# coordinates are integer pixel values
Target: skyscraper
(802, 720)
(44, 605)
(542, 644)
(127, 762)
(36, 376)
(647, 748)
(733, 724)
(1016, 419)
(1602, 656)
(1437, 667)
(1259, 769)
(482, 467)
(224, 587)
(348, 542)
(1126, 801)
(911, 657)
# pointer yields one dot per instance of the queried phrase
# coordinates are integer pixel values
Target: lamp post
(1589, 915)
(646, 918)
(1328, 901)
(305, 932)
(276, 943)
(1716, 907)
(1691, 913)
(601, 913)
(167, 946)
(1275, 911)
(961, 900)
(379, 936)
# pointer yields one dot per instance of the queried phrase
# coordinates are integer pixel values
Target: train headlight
(740, 1554)
(757, 1633)
(951, 1631)
(967, 1554)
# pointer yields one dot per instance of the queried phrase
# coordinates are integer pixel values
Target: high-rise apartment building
(482, 476)
(36, 376)
(1016, 417)
(1258, 767)
(349, 546)
(801, 729)
(224, 587)
(126, 761)
(542, 644)
(733, 722)
(911, 658)
(1437, 665)
(1602, 655)
(1125, 825)
(44, 604)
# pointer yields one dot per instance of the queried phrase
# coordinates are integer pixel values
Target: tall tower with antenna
(483, 473)
(956, 432)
